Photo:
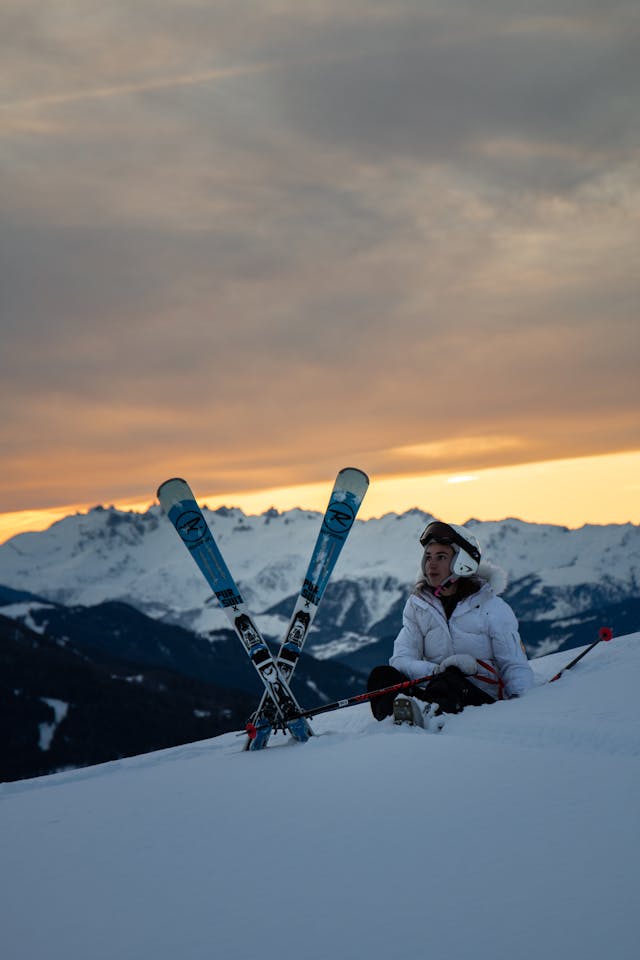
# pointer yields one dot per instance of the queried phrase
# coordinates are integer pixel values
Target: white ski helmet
(466, 549)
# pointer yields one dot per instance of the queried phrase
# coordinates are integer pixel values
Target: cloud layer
(253, 241)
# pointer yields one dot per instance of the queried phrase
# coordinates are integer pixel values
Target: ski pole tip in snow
(606, 633)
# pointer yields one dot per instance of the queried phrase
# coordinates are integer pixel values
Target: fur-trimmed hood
(496, 577)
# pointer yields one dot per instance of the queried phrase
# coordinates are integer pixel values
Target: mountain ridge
(555, 573)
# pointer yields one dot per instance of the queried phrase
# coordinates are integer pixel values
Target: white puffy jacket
(481, 625)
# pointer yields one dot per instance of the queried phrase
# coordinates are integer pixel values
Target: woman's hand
(463, 661)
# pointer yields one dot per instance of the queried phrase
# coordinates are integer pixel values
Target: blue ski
(348, 493)
(180, 506)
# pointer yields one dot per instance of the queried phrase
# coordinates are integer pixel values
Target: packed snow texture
(513, 833)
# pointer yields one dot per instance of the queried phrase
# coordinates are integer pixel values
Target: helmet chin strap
(445, 583)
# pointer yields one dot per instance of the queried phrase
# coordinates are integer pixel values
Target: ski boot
(408, 710)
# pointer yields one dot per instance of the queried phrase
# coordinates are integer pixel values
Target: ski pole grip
(252, 731)
(606, 633)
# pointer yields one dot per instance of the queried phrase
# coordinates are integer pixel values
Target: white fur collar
(496, 577)
(487, 573)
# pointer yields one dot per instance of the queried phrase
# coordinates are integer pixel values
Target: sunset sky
(249, 243)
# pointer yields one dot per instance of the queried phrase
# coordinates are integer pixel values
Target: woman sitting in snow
(456, 628)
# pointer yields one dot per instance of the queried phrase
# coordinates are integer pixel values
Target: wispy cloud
(139, 86)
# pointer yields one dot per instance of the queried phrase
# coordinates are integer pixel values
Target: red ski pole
(252, 730)
(604, 634)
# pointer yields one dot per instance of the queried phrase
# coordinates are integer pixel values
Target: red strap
(496, 679)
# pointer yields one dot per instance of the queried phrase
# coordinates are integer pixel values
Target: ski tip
(362, 474)
(163, 486)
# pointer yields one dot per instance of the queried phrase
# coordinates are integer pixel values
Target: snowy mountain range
(513, 832)
(563, 583)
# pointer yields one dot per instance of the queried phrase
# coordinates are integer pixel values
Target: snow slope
(513, 833)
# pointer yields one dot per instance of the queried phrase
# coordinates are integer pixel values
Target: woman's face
(437, 563)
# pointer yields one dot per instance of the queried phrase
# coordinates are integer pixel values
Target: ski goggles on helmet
(466, 552)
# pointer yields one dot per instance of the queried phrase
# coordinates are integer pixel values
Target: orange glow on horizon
(571, 493)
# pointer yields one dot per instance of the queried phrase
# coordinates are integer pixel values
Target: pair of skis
(278, 709)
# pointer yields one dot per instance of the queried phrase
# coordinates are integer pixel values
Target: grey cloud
(391, 223)
(435, 100)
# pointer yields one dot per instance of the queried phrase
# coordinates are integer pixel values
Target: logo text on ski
(192, 527)
(310, 591)
(339, 517)
(228, 598)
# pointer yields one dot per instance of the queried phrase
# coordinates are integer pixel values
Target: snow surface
(47, 730)
(511, 834)
(24, 610)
